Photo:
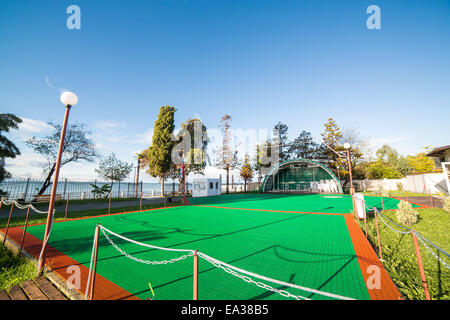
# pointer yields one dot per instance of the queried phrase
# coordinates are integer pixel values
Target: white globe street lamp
(347, 146)
(69, 99)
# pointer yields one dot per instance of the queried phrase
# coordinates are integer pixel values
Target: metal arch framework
(275, 168)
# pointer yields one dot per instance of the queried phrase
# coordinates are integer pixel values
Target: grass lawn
(399, 254)
(397, 193)
(14, 269)
(42, 218)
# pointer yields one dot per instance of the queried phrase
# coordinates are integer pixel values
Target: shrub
(447, 204)
(379, 189)
(406, 215)
(399, 186)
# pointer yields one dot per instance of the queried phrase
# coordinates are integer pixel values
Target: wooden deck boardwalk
(38, 289)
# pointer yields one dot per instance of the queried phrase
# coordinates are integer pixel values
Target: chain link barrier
(20, 206)
(421, 238)
(129, 256)
(247, 279)
(221, 265)
(430, 250)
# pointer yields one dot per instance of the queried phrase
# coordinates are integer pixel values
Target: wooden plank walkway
(38, 289)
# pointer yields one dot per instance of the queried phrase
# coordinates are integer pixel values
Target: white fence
(421, 183)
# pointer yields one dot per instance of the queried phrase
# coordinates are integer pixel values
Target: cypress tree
(159, 153)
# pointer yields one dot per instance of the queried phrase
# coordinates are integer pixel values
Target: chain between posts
(129, 256)
(247, 279)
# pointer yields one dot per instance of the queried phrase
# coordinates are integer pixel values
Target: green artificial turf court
(288, 202)
(310, 250)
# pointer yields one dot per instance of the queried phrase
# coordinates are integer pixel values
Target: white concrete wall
(371, 185)
(429, 182)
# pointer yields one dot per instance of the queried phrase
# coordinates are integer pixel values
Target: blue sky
(298, 62)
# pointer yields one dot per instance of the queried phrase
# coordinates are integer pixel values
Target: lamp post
(69, 99)
(352, 190)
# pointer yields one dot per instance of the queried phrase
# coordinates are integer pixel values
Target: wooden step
(16, 293)
(49, 289)
(4, 295)
(32, 291)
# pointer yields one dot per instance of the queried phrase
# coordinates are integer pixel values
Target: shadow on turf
(269, 293)
(85, 244)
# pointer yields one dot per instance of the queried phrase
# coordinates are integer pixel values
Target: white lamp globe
(347, 146)
(69, 98)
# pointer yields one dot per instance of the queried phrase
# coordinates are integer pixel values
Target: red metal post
(94, 266)
(9, 220)
(109, 203)
(365, 222)
(378, 236)
(24, 231)
(53, 194)
(195, 276)
(406, 195)
(419, 262)
(352, 190)
(431, 198)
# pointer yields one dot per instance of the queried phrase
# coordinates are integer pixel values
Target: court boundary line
(267, 210)
(367, 257)
(58, 262)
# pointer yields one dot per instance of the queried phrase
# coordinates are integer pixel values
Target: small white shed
(205, 187)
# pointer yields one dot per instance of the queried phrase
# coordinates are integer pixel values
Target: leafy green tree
(246, 171)
(159, 154)
(382, 170)
(78, 145)
(7, 148)
(390, 157)
(113, 169)
(191, 143)
(388, 164)
(420, 163)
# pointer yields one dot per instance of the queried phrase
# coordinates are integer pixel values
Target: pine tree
(332, 136)
(280, 132)
(159, 153)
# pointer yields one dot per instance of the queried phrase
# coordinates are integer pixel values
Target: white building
(205, 187)
(441, 157)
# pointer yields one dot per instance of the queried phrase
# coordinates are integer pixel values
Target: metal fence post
(378, 236)
(67, 206)
(431, 198)
(24, 231)
(94, 267)
(419, 262)
(7, 224)
(26, 189)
